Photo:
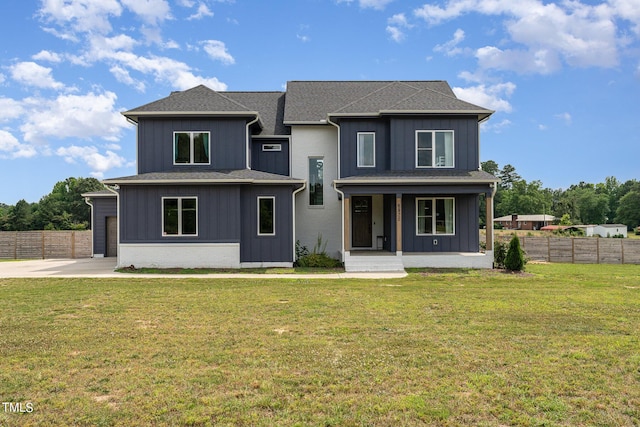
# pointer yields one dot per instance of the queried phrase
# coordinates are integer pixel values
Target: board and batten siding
(403, 140)
(103, 207)
(349, 130)
(155, 143)
(270, 161)
(276, 248)
(466, 238)
(219, 213)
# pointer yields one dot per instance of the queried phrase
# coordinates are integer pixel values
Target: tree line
(608, 202)
(62, 209)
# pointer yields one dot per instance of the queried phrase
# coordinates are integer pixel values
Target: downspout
(293, 209)
(248, 159)
(341, 219)
(337, 127)
(119, 218)
(87, 200)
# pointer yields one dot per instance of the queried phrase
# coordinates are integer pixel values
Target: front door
(361, 221)
(112, 236)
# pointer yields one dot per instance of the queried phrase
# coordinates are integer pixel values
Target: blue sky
(563, 77)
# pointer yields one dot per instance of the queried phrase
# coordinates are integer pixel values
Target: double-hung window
(434, 149)
(435, 216)
(179, 216)
(191, 148)
(266, 216)
(366, 149)
(316, 182)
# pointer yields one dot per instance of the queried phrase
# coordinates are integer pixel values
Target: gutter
(293, 216)
(341, 219)
(87, 200)
(204, 181)
(248, 156)
(337, 127)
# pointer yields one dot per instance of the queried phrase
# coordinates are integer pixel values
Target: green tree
(628, 212)
(20, 216)
(64, 208)
(515, 259)
(508, 177)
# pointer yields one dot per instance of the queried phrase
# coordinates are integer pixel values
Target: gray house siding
(349, 146)
(277, 248)
(466, 238)
(218, 213)
(403, 140)
(155, 143)
(103, 207)
(270, 161)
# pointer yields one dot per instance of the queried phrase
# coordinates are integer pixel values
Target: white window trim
(358, 149)
(271, 147)
(433, 149)
(191, 150)
(179, 199)
(274, 216)
(434, 217)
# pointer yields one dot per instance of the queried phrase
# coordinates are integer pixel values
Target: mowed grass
(558, 346)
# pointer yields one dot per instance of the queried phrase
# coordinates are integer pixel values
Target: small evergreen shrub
(515, 259)
(318, 258)
(499, 254)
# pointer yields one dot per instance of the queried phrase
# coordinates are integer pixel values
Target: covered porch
(426, 221)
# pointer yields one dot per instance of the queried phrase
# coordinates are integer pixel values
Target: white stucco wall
(317, 141)
(185, 255)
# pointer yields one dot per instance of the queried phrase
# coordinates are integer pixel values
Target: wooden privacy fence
(45, 244)
(582, 250)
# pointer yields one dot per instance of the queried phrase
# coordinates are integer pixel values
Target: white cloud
(396, 26)
(72, 116)
(373, 4)
(11, 109)
(203, 11)
(81, 15)
(150, 11)
(218, 51)
(123, 76)
(45, 55)
(544, 35)
(99, 163)
(11, 148)
(542, 127)
(492, 96)
(489, 126)
(565, 117)
(451, 48)
(2, 78)
(32, 74)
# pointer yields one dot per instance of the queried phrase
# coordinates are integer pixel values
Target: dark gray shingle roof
(426, 176)
(213, 176)
(312, 101)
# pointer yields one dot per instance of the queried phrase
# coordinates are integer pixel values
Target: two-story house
(387, 172)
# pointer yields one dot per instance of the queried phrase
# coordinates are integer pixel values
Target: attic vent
(271, 147)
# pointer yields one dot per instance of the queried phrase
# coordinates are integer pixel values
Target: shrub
(318, 258)
(499, 254)
(515, 259)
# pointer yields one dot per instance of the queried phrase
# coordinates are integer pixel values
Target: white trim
(266, 265)
(191, 147)
(271, 147)
(273, 216)
(434, 216)
(179, 199)
(293, 217)
(359, 164)
(448, 260)
(309, 205)
(433, 149)
(248, 140)
(87, 200)
(182, 255)
(115, 181)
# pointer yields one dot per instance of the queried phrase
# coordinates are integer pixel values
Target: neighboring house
(524, 222)
(387, 172)
(607, 230)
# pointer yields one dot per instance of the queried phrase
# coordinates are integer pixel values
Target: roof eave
(116, 181)
(395, 181)
(134, 115)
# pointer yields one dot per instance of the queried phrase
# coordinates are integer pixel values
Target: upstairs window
(316, 183)
(179, 216)
(435, 216)
(366, 149)
(191, 148)
(434, 149)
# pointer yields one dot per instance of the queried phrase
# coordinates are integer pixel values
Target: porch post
(399, 224)
(347, 222)
(489, 221)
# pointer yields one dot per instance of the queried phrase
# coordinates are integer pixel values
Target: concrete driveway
(104, 267)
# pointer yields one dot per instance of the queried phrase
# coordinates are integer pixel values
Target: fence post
(573, 250)
(548, 249)
(622, 249)
(598, 249)
(43, 252)
(15, 245)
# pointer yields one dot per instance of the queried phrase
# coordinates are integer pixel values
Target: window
(266, 216)
(271, 147)
(435, 216)
(191, 148)
(316, 184)
(366, 149)
(434, 149)
(179, 216)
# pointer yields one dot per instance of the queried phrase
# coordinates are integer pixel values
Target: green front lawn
(557, 346)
